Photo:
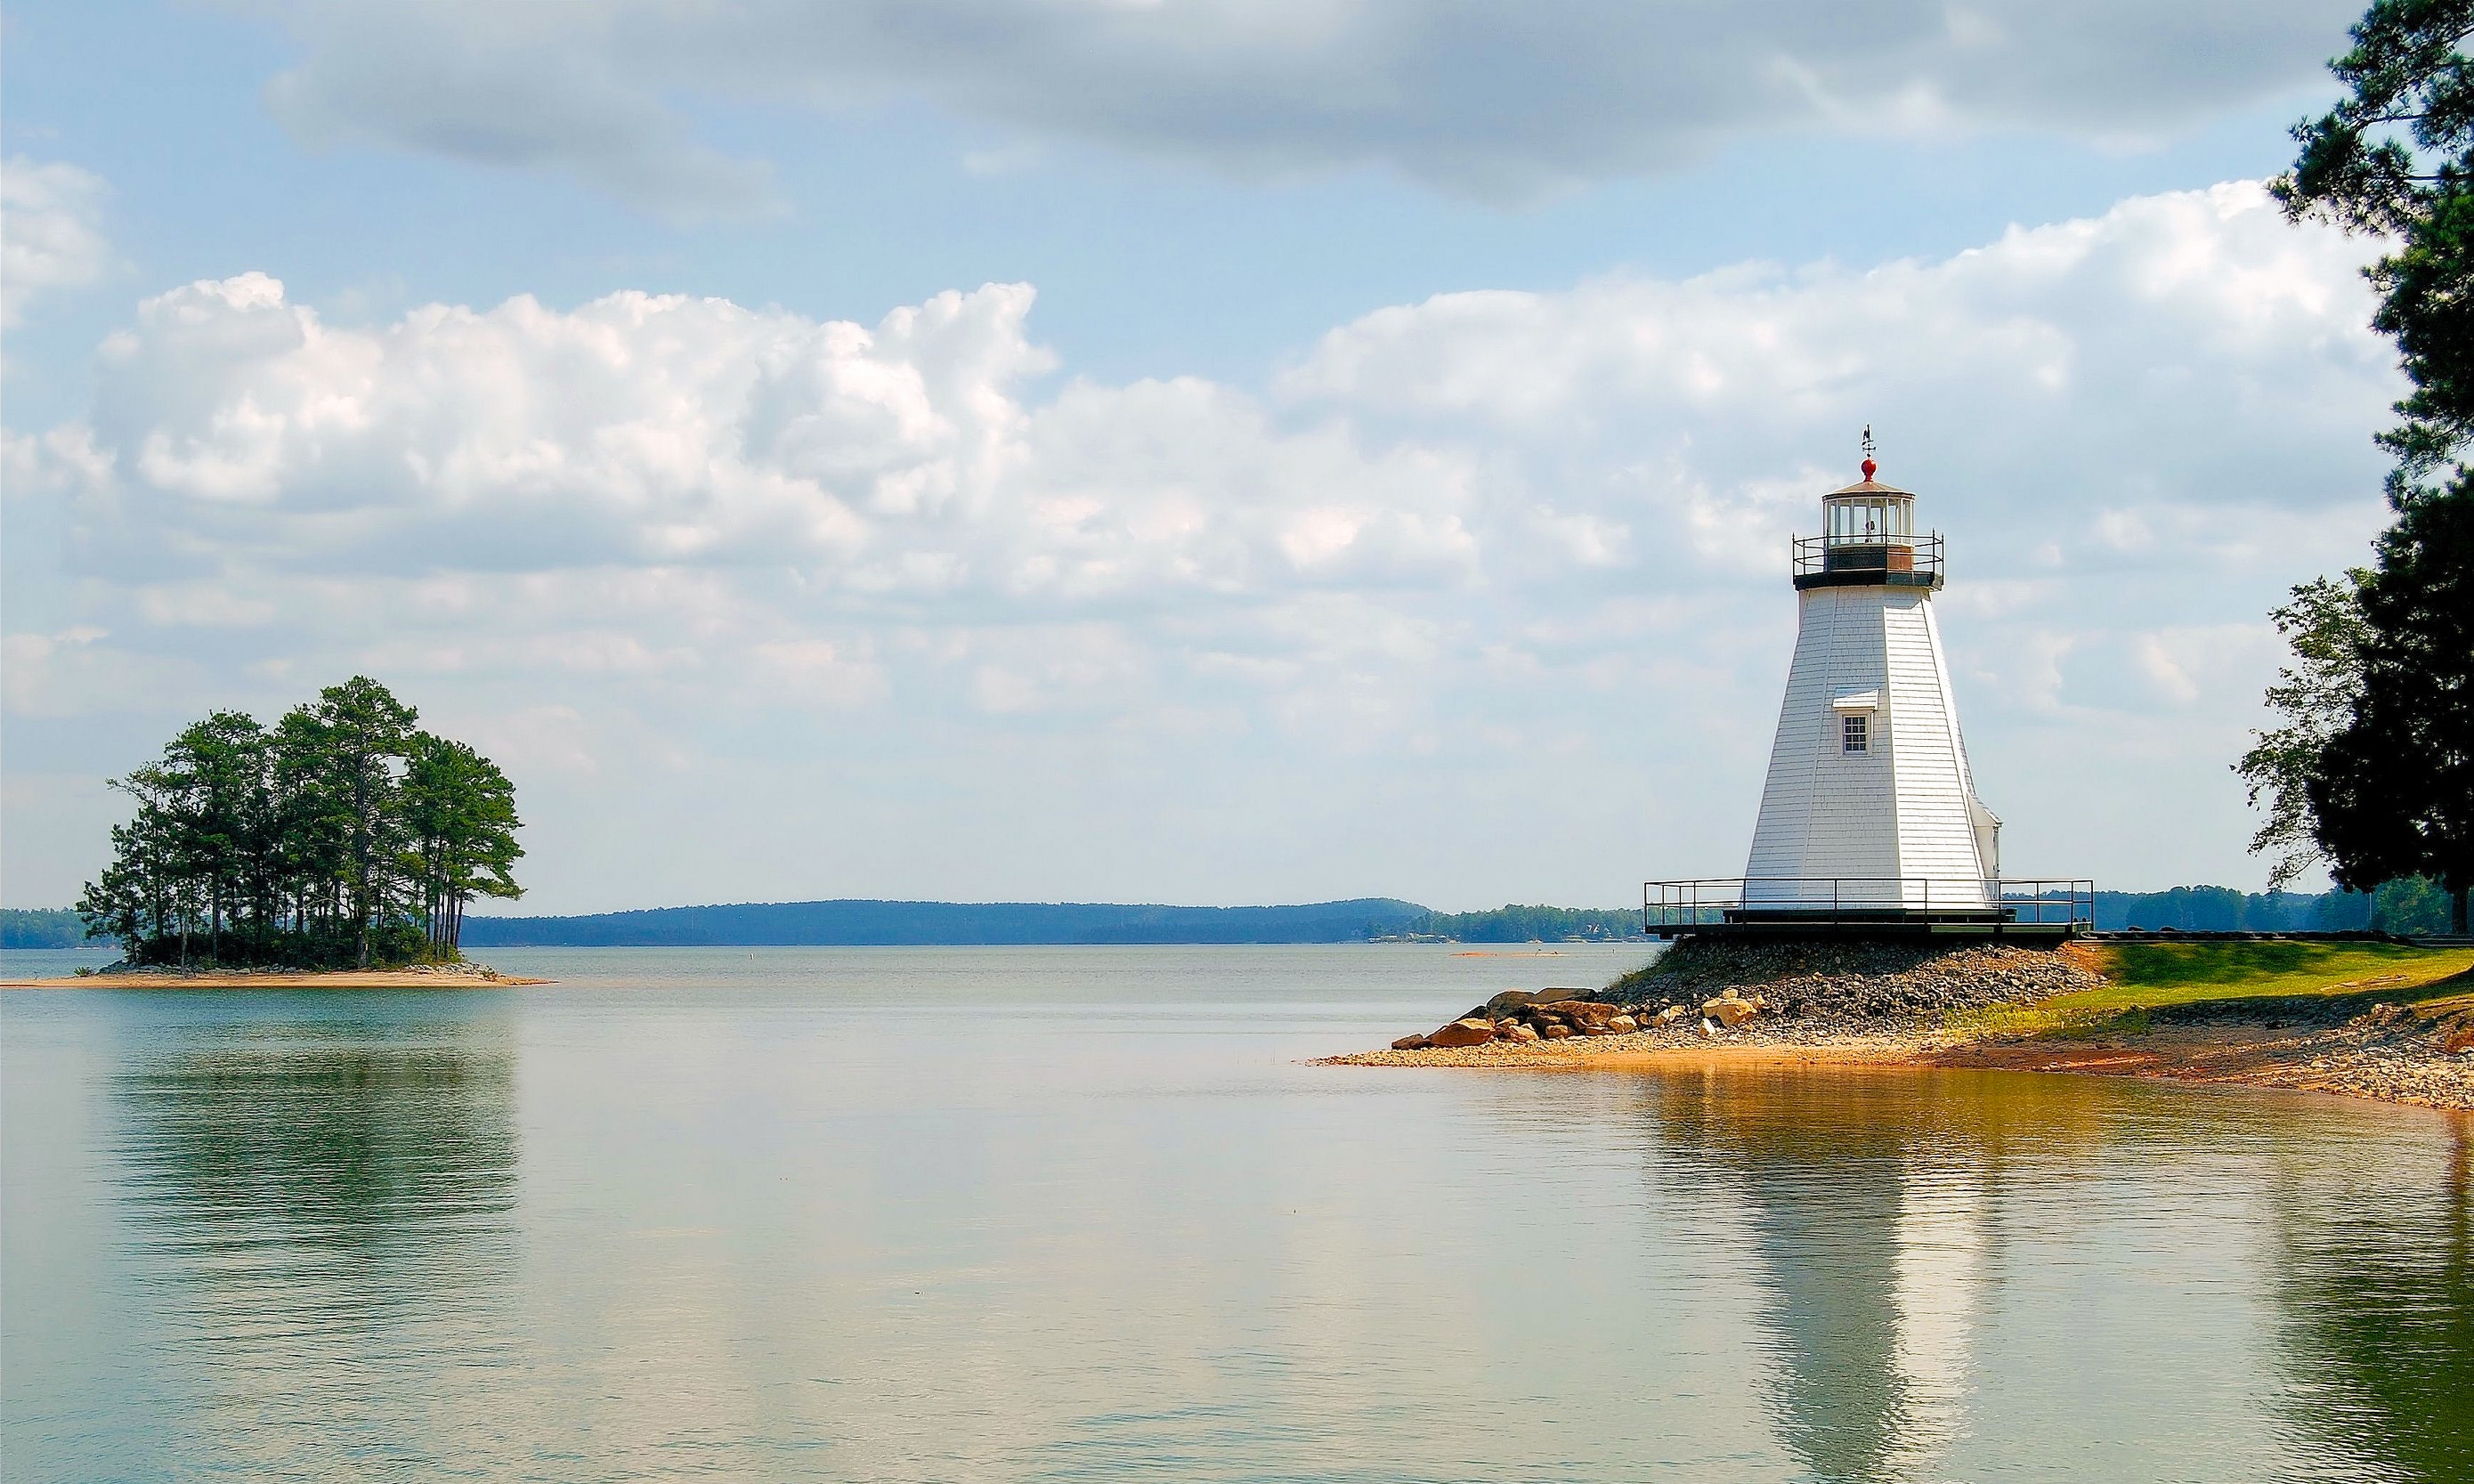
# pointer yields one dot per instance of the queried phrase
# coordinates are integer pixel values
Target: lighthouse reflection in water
(1901, 1229)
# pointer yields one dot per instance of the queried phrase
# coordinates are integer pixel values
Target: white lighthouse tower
(1870, 810)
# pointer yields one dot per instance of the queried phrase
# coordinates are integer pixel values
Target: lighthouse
(1870, 823)
(1869, 794)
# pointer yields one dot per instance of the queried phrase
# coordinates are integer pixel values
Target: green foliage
(343, 837)
(2315, 694)
(2207, 910)
(1516, 924)
(458, 816)
(2396, 159)
(2409, 907)
(2386, 783)
(2393, 789)
(22, 926)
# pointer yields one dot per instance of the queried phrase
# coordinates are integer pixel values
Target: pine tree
(343, 836)
(459, 814)
(2391, 792)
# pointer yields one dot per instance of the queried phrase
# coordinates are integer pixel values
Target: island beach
(2385, 1021)
(420, 976)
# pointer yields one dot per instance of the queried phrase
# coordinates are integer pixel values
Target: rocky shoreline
(1895, 1005)
(1786, 994)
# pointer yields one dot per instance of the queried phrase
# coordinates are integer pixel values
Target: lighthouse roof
(1869, 487)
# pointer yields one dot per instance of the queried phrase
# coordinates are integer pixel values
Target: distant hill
(865, 923)
(2399, 906)
(862, 923)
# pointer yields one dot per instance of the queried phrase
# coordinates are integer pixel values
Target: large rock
(1729, 1010)
(1582, 1012)
(1410, 1043)
(1462, 1033)
(1520, 1032)
(1622, 1025)
(1669, 1015)
(1555, 1031)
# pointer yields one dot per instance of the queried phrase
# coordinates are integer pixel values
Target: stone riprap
(1797, 992)
(1857, 979)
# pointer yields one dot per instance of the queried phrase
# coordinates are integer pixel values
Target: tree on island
(344, 837)
(2374, 770)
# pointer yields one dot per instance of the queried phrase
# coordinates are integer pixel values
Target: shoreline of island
(418, 976)
(2306, 1018)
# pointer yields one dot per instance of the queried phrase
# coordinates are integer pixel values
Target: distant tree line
(342, 837)
(1513, 923)
(2373, 771)
(2408, 906)
(40, 927)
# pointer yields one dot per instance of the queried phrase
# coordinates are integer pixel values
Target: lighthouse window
(1855, 734)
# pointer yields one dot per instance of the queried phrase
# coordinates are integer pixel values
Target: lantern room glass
(1870, 520)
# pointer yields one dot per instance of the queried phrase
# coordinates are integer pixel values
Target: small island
(338, 848)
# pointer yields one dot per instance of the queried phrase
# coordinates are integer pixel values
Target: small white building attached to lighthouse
(1870, 818)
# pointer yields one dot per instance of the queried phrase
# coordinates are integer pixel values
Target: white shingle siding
(1900, 809)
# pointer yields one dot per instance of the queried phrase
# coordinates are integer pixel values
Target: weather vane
(1869, 465)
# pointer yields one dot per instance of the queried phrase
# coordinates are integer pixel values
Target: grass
(2317, 982)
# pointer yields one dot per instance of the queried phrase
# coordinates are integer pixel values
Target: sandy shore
(2421, 1055)
(281, 978)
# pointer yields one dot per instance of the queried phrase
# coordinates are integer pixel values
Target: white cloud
(1502, 101)
(1495, 566)
(51, 233)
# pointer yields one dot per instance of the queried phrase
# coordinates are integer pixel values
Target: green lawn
(2158, 974)
(2335, 979)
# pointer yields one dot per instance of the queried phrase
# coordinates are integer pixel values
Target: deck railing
(1669, 907)
(1816, 554)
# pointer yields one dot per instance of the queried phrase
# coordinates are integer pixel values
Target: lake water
(995, 1214)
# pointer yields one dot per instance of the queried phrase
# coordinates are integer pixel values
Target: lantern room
(1866, 515)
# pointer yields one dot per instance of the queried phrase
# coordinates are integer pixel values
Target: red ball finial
(1869, 467)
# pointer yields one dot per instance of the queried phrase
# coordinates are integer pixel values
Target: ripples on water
(976, 1214)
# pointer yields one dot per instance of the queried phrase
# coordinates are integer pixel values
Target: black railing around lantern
(1919, 558)
(1671, 907)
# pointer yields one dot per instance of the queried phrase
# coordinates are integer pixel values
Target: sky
(1164, 450)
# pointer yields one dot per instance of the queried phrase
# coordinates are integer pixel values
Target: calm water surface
(966, 1214)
